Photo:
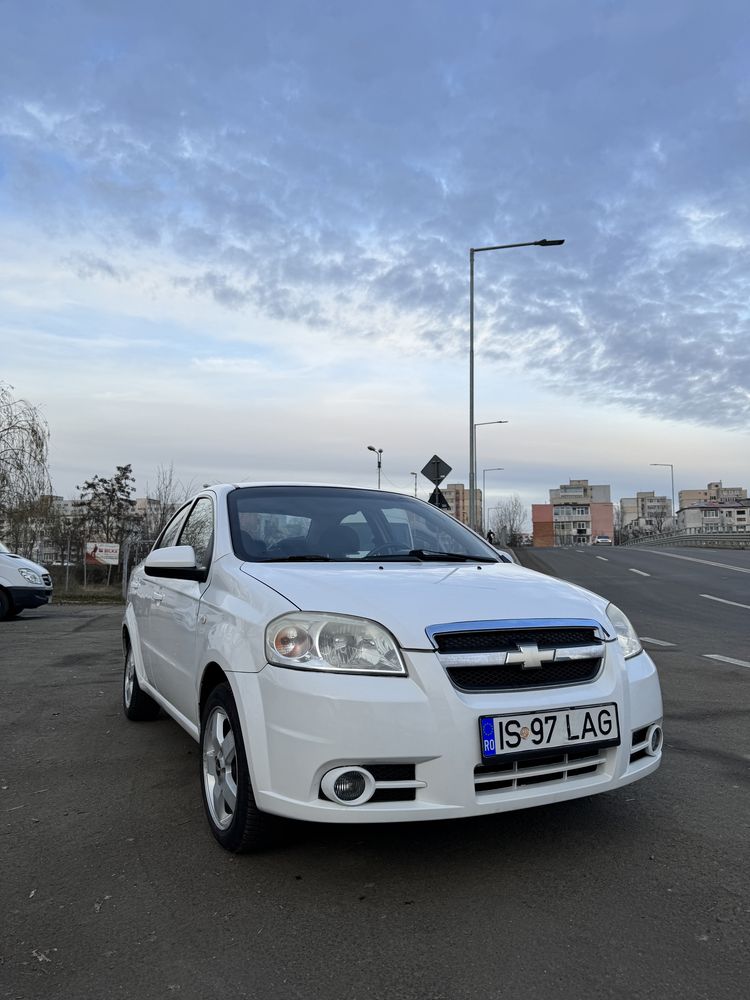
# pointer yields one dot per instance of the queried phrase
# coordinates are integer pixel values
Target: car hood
(408, 598)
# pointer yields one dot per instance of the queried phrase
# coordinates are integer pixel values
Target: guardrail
(731, 538)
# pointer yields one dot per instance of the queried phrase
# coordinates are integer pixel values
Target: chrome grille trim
(605, 633)
(513, 654)
(519, 773)
(499, 659)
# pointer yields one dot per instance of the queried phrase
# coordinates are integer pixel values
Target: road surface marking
(727, 659)
(603, 558)
(721, 600)
(706, 562)
(639, 572)
(656, 642)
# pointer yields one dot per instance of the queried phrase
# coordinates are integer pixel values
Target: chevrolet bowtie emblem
(530, 656)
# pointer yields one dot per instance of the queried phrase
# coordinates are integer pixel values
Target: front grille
(511, 676)
(46, 579)
(491, 657)
(506, 640)
(545, 768)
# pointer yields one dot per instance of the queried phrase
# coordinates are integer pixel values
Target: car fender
(131, 637)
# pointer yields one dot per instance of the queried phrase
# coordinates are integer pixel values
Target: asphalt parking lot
(113, 886)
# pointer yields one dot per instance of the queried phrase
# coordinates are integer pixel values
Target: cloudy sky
(235, 237)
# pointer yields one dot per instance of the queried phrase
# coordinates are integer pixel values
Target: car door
(174, 616)
(145, 591)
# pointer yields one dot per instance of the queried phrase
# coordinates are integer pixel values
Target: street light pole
(668, 465)
(482, 423)
(472, 448)
(379, 454)
(495, 468)
(415, 482)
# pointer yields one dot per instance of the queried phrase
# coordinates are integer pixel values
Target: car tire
(227, 792)
(137, 705)
(6, 606)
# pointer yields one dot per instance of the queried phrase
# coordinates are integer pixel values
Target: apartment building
(713, 492)
(716, 515)
(577, 512)
(457, 496)
(645, 511)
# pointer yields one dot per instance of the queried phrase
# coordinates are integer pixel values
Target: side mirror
(175, 562)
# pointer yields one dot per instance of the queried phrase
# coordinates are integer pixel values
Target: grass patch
(90, 595)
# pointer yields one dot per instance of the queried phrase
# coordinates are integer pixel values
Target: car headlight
(336, 643)
(31, 577)
(630, 644)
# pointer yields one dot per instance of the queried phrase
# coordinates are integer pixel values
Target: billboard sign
(102, 554)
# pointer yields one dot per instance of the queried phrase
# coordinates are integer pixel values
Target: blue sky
(235, 237)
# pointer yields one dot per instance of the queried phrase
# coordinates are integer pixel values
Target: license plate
(520, 733)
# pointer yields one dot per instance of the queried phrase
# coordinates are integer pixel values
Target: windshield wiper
(298, 558)
(434, 554)
(427, 555)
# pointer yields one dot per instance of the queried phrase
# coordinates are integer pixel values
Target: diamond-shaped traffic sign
(436, 470)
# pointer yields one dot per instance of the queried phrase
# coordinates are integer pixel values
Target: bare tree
(24, 473)
(162, 500)
(509, 520)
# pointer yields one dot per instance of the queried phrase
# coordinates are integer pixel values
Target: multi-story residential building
(712, 492)
(716, 515)
(576, 514)
(579, 490)
(645, 511)
(457, 496)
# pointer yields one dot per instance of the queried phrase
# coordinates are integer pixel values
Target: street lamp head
(371, 447)
(549, 243)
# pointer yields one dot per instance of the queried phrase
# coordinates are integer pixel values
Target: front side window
(319, 523)
(199, 531)
(169, 535)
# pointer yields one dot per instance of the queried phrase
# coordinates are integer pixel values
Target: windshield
(4, 548)
(329, 523)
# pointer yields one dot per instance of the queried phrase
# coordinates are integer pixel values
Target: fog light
(349, 786)
(654, 739)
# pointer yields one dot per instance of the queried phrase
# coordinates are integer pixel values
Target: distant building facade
(577, 512)
(712, 492)
(716, 515)
(457, 496)
(645, 512)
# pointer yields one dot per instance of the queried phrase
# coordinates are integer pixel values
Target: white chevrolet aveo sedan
(357, 656)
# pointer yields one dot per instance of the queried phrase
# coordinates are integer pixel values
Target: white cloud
(251, 225)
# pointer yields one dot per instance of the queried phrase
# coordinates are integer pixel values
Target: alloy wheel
(220, 768)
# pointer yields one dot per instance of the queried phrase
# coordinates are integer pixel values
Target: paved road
(698, 600)
(112, 886)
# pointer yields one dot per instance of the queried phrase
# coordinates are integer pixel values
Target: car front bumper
(25, 598)
(298, 725)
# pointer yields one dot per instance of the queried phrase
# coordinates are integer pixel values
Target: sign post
(436, 470)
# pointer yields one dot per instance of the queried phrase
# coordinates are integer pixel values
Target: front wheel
(6, 605)
(228, 799)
